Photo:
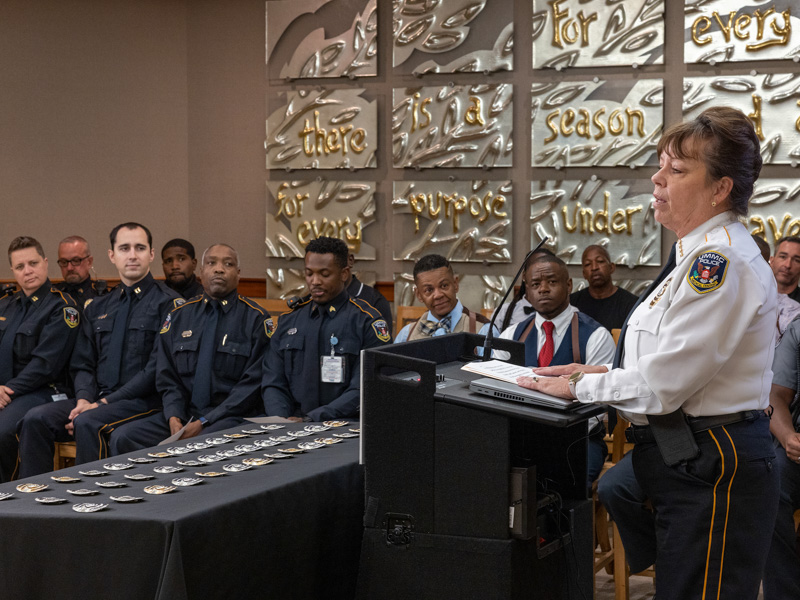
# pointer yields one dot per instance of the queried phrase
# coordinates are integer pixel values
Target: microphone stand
(487, 343)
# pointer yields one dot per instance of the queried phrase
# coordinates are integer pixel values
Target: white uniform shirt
(710, 352)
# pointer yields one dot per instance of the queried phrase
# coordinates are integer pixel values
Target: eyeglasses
(75, 262)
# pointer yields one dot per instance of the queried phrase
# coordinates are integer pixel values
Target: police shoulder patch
(167, 322)
(71, 317)
(269, 327)
(708, 272)
(178, 302)
(381, 330)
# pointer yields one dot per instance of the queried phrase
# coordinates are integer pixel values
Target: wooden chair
(64, 455)
(406, 315)
(487, 312)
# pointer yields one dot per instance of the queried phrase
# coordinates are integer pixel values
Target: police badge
(708, 272)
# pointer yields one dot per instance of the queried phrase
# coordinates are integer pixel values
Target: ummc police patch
(708, 272)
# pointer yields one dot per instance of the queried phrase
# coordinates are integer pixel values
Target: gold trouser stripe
(104, 429)
(727, 506)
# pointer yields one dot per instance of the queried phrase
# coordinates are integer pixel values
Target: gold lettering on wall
(755, 116)
(452, 206)
(288, 206)
(322, 142)
(567, 29)
(473, 114)
(740, 28)
(420, 108)
(344, 229)
(629, 121)
(587, 221)
(787, 227)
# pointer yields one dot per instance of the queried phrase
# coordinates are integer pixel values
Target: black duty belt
(642, 433)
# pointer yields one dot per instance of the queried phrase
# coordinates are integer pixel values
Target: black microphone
(487, 343)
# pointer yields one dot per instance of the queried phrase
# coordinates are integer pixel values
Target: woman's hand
(569, 369)
(555, 386)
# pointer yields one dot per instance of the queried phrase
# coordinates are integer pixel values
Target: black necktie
(117, 341)
(620, 351)
(201, 388)
(7, 343)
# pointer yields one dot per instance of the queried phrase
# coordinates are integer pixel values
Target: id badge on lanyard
(332, 366)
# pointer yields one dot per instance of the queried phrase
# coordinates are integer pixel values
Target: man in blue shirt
(436, 286)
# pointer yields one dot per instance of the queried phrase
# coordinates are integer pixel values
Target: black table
(289, 529)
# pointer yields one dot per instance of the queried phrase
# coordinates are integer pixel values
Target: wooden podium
(438, 470)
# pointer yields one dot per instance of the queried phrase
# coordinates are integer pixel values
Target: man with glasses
(76, 261)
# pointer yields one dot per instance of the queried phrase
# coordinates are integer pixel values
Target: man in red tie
(558, 334)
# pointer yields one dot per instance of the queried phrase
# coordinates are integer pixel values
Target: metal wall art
(299, 211)
(465, 35)
(453, 126)
(322, 129)
(596, 123)
(726, 30)
(594, 33)
(476, 292)
(775, 209)
(352, 52)
(615, 214)
(467, 221)
(771, 102)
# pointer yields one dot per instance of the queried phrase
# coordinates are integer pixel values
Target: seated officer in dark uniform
(357, 289)
(210, 352)
(114, 362)
(436, 286)
(179, 263)
(38, 327)
(312, 369)
(76, 261)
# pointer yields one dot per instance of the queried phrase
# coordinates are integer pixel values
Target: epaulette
(366, 307)
(68, 300)
(251, 304)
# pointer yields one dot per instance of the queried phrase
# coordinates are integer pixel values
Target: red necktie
(546, 353)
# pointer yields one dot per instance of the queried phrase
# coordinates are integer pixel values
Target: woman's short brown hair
(729, 148)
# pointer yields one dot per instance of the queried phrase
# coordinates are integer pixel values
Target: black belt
(642, 433)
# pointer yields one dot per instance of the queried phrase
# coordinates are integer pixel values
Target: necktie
(620, 351)
(201, 388)
(430, 327)
(117, 341)
(549, 347)
(7, 343)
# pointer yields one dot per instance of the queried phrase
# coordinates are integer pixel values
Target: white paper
(497, 369)
(177, 435)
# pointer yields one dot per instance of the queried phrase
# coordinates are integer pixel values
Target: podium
(441, 463)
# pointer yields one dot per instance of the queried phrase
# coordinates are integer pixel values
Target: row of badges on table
(203, 460)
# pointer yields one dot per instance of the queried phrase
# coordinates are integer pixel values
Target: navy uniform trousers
(714, 515)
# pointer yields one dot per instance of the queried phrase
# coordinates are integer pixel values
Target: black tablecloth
(289, 529)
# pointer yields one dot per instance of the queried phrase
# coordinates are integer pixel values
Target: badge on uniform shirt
(381, 330)
(71, 317)
(292, 331)
(187, 333)
(708, 272)
(167, 323)
(332, 369)
(269, 327)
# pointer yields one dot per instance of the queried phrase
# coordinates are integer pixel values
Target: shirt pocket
(186, 357)
(292, 349)
(643, 330)
(142, 331)
(230, 359)
(25, 342)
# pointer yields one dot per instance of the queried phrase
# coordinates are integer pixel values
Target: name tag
(57, 397)
(332, 369)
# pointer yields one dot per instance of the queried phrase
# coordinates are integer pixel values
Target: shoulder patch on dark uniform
(178, 302)
(381, 330)
(71, 317)
(167, 322)
(708, 272)
(269, 327)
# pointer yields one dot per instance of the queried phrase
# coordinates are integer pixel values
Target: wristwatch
(204, 422)
(573, 379)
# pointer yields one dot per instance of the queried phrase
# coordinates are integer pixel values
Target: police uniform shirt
(703, 340)
(599, 347)
(44, 340)
(292, 378)
(357, 289)
(151, 300)
(190, 289)
(81, 292)
(241, 340)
